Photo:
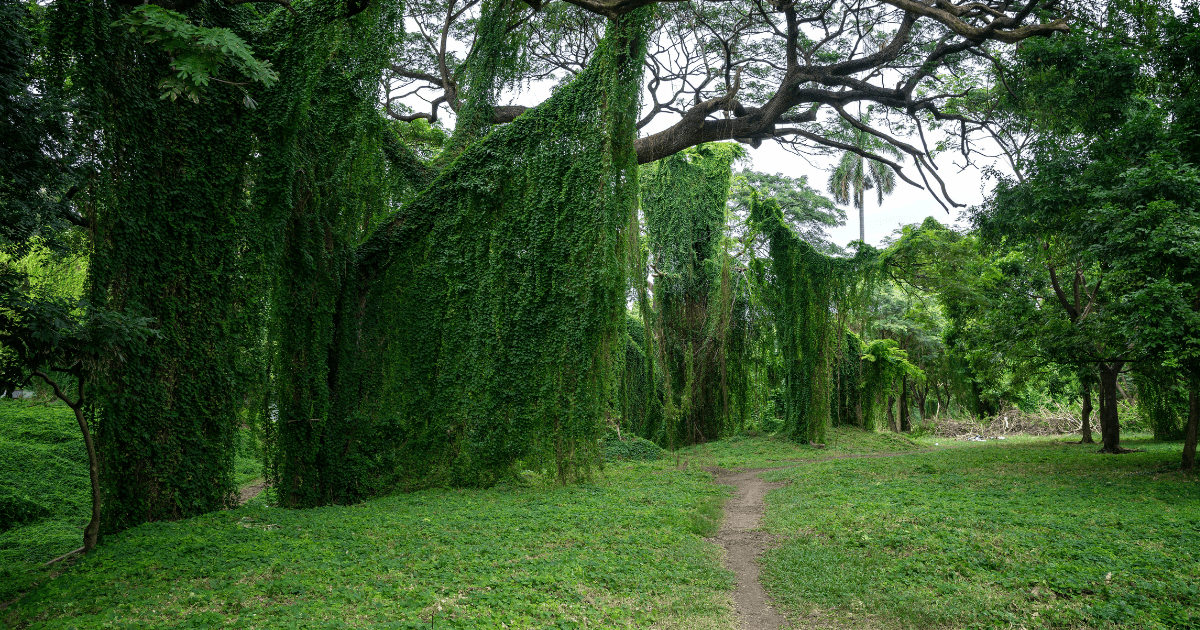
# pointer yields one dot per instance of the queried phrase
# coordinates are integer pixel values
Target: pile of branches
(1010, 421)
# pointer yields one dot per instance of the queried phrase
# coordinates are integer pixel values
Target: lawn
(44, 496)
(624, 551)
(45, 499)
(1032, 533)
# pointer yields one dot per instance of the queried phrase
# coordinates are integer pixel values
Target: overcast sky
(904, 206)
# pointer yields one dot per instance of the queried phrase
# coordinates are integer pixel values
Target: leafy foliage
(805, 210)
(631, 448)
(36, 169)
(808, 295)
(476, 331)
(197, 53)
(694, 319)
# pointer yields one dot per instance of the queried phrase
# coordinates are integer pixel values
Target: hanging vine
(477, 327)
(684, 199)
(804, 291)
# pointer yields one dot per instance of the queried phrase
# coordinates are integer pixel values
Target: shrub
(631, 448)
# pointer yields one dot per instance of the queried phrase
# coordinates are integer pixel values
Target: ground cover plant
(743, 451)
(44, 497)
(624, 551)
(1035, 533)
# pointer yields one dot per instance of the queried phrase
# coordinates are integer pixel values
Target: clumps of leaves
(631, 448)
(198, 53)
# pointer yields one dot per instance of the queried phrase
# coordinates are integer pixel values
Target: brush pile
(1010, 421)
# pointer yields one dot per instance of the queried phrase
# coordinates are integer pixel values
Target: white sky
(904, 206)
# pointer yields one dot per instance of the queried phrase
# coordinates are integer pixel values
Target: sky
(904, 206)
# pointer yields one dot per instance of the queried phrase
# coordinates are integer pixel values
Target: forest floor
(1021, 533)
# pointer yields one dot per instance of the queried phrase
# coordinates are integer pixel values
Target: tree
(806, 211)
(855, 174)
(744, 71)
(37, 174)
(693, 320)
(1105, 195)
(57, 338)
(267, 243)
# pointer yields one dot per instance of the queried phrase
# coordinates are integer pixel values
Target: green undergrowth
(741, 451)
(45, 499)
(624, 551)
(631, 448)
(1033, 533)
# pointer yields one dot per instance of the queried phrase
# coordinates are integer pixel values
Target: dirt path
(249, 492)
(744, 543)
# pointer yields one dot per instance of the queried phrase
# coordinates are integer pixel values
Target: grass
(1021, 533)
(739, 452)
(624, 551)
(45, 496)
(44, 493)
(1032, 533)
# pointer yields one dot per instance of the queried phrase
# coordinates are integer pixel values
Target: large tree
(749, 70)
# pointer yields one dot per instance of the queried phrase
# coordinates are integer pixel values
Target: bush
(631, 448)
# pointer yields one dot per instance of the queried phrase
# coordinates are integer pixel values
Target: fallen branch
(63, 557)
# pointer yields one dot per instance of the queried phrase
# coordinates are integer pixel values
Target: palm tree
(854, 174)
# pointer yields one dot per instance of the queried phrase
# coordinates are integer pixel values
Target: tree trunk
(1189, 440)
(91, 533)
(1109, 424)
(905, 425)
(1086, 415)
(862, 228)
(922, 395)
(891, 417)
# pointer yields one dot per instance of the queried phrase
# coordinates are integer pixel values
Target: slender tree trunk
(858, 396)
(1189, 440)
(862, 228)
(905, 425)
(1109, 424)
(891, 417)
(1086, 415)
(91, 533)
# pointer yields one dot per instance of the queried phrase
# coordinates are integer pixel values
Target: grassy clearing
(45, 497)
(625, 551)
(1032, 533)
(740, 452)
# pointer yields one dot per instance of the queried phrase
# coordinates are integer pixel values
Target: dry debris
(1010, 421)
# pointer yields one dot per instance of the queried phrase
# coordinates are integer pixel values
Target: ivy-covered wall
(478, 327)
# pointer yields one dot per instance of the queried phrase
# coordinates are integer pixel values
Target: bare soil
(744, 542)
(249, 492)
